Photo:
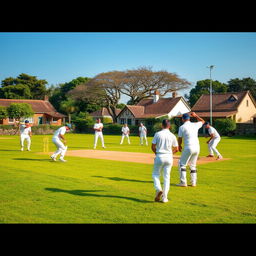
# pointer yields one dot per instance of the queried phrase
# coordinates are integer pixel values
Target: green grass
(35, 190)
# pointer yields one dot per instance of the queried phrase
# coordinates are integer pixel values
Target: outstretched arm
(193, 114)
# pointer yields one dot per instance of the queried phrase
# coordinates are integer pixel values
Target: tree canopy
(106, 88)
(233, 85)
(23, 86)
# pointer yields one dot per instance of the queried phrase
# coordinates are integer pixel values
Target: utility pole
(211, 67)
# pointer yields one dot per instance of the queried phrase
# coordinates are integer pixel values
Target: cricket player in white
(98, 133)
(164, 145)
(25, 134)
(126, 133)
(189, 132)
(143, 134)
(60, 142)
(213, 141)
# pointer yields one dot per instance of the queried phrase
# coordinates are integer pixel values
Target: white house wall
(126, 114)
(179, 109)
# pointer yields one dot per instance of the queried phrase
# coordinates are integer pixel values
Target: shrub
(225, 126)
(44, 129)
(107, 120)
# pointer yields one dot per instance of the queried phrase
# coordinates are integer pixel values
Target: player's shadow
(88, 193)
(123, 179)
(132, 180)
(32, 159)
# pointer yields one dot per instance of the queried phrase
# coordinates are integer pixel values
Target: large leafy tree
(107, 88)
(69, 107)
(3, 112)
(143, 82)
(60, 93)
(203, 87)
(238, 85)
(23, 86)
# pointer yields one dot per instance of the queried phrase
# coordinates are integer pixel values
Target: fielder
(25, 134)
(126, 133)
(143, 134)
(189, 132)
(164, 145)
(60, 142)
(98, 126)
(213, 141)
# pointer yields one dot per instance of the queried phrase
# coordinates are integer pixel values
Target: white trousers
(61, 148)
(163, 162)
(143, 137)
(27, 138)
(98, 135)
(125, 136)
(189, 156)
(212, 146)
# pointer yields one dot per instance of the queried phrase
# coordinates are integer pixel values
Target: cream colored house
(240, 106)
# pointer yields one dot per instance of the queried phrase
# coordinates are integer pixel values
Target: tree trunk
(69, 118)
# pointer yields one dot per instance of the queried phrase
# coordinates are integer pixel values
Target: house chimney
(156, 96)
(174, 94)
(46, 98)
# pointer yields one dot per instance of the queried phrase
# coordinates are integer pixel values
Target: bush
(158, 127)
(225, 126)
(107, 120)
(44, 129)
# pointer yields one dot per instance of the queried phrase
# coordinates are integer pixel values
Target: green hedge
(225, 126)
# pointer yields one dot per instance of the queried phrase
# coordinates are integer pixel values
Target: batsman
(60, 142)
(189, 132)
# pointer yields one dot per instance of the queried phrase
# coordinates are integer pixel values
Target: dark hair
(165, 123)
(206, 123)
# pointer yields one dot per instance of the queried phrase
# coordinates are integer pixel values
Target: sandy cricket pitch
(144, 158)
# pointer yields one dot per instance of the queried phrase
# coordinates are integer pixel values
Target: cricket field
(35, 189)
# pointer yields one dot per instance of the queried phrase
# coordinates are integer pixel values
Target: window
(129, 121)
(122, 121)
(247, 103)
(11, 120)
(55, 119)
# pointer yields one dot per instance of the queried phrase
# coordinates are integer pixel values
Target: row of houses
(239, 106)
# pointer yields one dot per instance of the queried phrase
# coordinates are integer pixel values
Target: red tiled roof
(216, 114)
(38, 106)
(146, 108)
(220, 102)
(103, 112)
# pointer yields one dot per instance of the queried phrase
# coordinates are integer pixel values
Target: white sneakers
(219, 157)
(22, 149)
(182, 185)
(53, 158)
(63, 160)
(159, 197)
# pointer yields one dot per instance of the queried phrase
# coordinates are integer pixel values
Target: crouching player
(60, 142)
(164, 145)
(213, 141)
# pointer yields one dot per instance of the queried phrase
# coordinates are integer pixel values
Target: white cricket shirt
(61, 130)
(143, 130)
(125, 130)
(164, 141)
(97, 126)
(213, 131)
(189, 132)
(24, 130)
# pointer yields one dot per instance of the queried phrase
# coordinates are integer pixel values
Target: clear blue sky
(61, 57)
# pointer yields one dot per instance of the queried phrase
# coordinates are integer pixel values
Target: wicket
(45, 144)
